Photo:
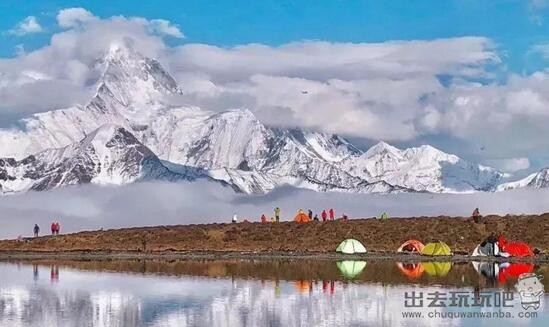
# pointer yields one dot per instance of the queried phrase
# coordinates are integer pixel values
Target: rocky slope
(109, 155)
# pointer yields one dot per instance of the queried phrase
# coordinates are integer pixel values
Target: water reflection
(412, 270)
(54, 274)
(237, 293)
(501, 273)
(351, 268)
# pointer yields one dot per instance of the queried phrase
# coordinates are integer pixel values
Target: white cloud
(542, 49)
(390, 90)
(324, 60)
(28, 25)
(70, 61)
(74, 17)
(511, 165)
(95, 207)
(164, 27)
(364, 90)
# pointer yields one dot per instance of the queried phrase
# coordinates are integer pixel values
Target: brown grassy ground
(461, 234)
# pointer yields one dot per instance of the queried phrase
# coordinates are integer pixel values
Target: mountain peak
(382, 148)
(425, 152)
(131, 83)
(107, 132)
(118, 51)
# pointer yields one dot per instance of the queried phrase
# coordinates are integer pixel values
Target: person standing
(57, 228)
(234, 218)
(277, 214)
(324, 215)
(310, 214)
(53, 226)
(36, 230)
(476, 215)
(332, 214)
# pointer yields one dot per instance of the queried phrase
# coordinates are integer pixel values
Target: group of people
(326, 214)
(329, 214)
(55, 228)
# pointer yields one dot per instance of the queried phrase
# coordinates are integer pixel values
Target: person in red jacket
(324, 215)
(53, 226)
(332, 214)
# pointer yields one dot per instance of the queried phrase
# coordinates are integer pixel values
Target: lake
(266, 293)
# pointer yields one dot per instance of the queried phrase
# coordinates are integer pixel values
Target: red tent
(515, 249)
(514, 270)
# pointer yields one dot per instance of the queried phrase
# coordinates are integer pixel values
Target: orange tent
(411, 270)
(411, 246)
(302, 217)
(302, 286)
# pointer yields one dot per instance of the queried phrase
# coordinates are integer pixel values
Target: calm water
(258, 293)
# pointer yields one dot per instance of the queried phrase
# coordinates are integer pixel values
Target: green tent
(351, 268)
(436, 248)
(383, 216)
(350, 246)
(437, 269)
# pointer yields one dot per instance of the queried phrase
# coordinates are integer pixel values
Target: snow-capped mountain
(423, 168)
(109, 155)
(539, 179)
(231, 146)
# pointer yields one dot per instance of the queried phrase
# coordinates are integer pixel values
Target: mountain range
(129, 131)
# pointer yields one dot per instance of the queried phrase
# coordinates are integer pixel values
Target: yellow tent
(437, 269)
(437, 248)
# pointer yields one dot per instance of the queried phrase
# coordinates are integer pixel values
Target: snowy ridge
(535, 180)
(423, 168)
(232, 146)
(109, 155)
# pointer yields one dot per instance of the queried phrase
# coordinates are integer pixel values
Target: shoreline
(6, 256)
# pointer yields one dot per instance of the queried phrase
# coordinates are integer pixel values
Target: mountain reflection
(217, 293)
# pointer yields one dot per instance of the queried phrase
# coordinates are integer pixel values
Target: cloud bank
(94, 207)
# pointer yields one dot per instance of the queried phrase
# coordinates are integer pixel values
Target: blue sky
(515, 25)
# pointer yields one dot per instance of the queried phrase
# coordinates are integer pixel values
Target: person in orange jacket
(324, 215)
(332, 214)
